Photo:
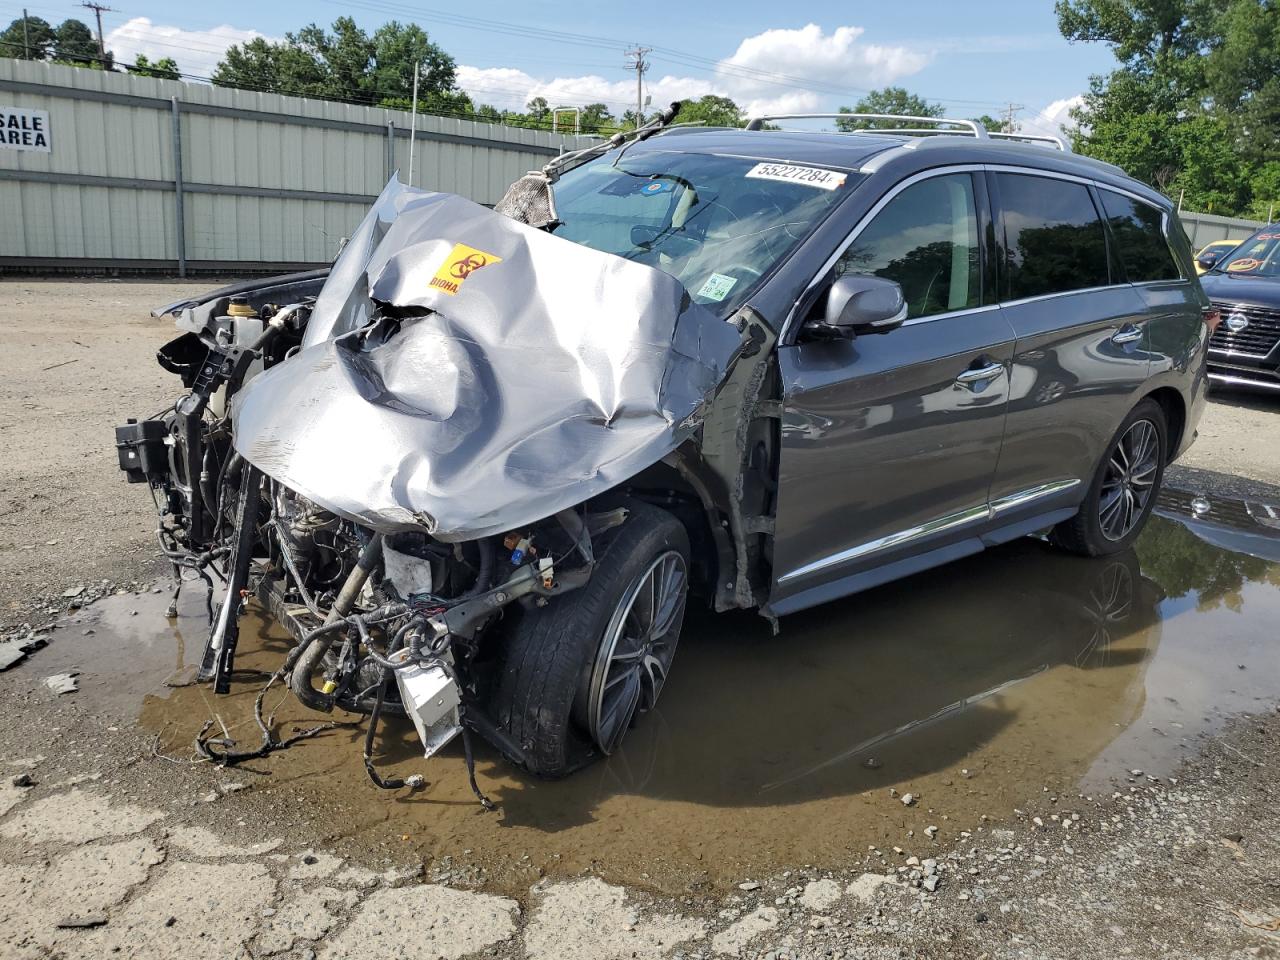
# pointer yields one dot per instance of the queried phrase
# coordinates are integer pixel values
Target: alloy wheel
(1129, 482)
(637, 649)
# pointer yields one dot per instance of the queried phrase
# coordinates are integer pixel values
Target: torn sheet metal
(527, 374)
(343, 302)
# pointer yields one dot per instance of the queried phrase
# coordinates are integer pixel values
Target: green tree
(596, 118)
(74, 42)
(259, 64)
(1193, 107)
(992, 123)
(396, 47)
(894, 100)
(711, 110)
(35, 42)
(345, 63)
(163, 69)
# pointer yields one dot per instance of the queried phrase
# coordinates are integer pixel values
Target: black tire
(1084, 534)
(547, 665)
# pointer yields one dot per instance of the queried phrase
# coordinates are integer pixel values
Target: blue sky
(972, 57)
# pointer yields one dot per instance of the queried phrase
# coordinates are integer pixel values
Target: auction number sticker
(1243, 264)
(790, 173)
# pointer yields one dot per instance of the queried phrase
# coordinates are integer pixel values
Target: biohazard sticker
(461, 263)
(790, 173)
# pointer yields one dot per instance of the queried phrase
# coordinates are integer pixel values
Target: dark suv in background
(1245, 287)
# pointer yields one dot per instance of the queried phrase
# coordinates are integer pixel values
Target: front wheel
(577, 673)
(1124, 488)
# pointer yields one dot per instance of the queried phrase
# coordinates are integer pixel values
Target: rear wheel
(578, 673)
(1124, 487)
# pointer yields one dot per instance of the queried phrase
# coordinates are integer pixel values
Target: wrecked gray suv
(479, 467)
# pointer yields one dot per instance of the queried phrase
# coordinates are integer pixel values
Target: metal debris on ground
(62, 683)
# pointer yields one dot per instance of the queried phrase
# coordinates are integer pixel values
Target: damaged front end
(410, 464)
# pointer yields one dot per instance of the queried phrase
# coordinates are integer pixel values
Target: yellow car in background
(1217, 250)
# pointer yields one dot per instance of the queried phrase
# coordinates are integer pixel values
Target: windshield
(1259, 256)
(717, 224)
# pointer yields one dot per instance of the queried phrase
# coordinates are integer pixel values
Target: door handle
(1126, 334)
(973, 376)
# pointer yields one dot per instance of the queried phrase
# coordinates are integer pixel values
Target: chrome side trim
(1244, 381)
(939, 525)
(1023, 497)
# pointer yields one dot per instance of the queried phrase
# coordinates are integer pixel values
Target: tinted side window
(1139, 238)
(1055, 240)
(926, 239)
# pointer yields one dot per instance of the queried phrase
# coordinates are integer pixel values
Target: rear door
(1081, 340)
(890, 441)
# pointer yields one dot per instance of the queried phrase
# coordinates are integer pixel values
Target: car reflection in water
(912, 678)
(897, 682)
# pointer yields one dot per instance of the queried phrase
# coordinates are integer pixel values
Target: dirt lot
(1065, 774)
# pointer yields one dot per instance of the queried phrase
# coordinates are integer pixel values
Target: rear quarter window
(1054, 239)
(1138, 231)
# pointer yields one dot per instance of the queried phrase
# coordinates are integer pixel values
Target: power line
(98, 10)
(639, 65)
(1010, 111)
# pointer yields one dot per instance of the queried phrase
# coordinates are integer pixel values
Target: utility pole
(1010, 111)
(640, 65)
(98, 9)
(26, 37)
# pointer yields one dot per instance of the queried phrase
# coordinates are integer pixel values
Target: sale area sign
(23, 129)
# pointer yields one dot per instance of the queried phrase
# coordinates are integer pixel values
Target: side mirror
(859, 303)
(1207, 261)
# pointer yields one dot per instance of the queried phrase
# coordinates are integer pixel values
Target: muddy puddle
(976, 687)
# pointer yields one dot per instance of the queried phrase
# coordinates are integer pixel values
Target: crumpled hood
(526, 374)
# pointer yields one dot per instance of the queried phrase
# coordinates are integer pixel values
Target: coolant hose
(311, 657)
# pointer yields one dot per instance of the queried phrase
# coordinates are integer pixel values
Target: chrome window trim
(1064, 293)
(975, 168)
(951, 521)
(950, 313)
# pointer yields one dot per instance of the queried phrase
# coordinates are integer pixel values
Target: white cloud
(807, 57)
(778, 71)
(197, 52)
(1055, 119)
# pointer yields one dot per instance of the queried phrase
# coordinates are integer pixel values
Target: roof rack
(943, 126)
(1033, 138)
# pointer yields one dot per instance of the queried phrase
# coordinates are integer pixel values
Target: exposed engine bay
(414, 456)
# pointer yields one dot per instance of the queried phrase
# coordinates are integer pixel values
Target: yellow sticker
(461, 262)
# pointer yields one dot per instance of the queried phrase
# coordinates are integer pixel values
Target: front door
(890, 441)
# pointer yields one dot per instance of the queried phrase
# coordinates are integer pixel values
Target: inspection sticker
(790, 173)
(461, 262)
(717, 287)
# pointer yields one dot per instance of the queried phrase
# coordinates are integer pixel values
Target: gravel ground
(107, 848)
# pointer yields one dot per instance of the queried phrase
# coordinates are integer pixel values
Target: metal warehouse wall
(1204, 228)
(265, 180)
